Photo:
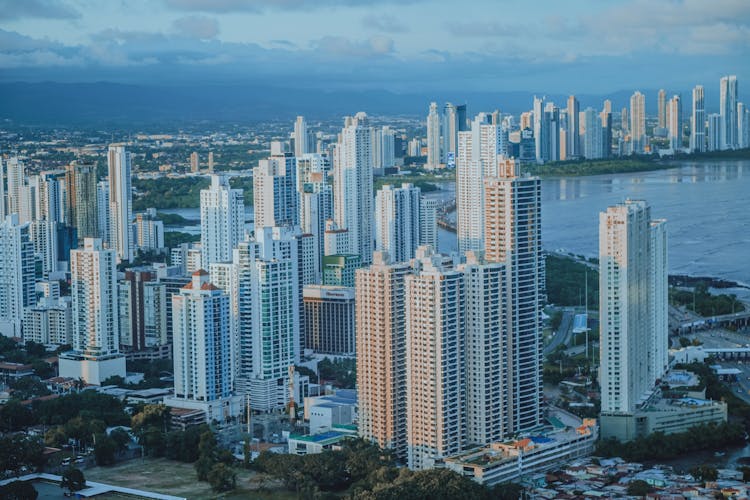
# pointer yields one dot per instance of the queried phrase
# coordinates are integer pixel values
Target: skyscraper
(633, 308)
(674, 122)
(16, 274)
(275, 197)
(195, 165)
(222, 221)
(433, 138)
(593, 134)
(300, 137)
(120, 202)
(16, 175)
(353, 185)
(513, 234)
(201, 323)
(102, 210)
(713, 137)
(435, 363)
(330, 319)
(397, 221)
(573, 147)
(478, 158)
(96, 330)
(486, 348)
(662, 109)
(540, 131)
(637, 123)
(381, 353)
(728, 111)
(450, 133)
(698, 121)
(743, 125)
(606, 116)
(81, 201)
(315, 208)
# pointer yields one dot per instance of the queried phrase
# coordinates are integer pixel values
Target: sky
(570, 46)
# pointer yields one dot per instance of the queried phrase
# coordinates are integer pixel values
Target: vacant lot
(177, 478)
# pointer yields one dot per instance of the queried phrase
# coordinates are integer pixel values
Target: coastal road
(562, 336)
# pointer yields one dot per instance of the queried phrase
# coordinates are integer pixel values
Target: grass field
(177, 478)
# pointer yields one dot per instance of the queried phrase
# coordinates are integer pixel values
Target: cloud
(255, 6)
(482, 29)
(198, 27)
(342, 46)
(386, 23)
(47, 9)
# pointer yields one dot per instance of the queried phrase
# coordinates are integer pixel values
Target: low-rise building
(318, 443)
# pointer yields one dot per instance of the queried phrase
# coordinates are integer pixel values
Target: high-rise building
(155, 306)
(102, 210)
(275, 197)
(269, 315)
(148, 231)
(381, 353)
(573, 146)
(713, 139)
(435, 363)
(120, 202)
(49, 322)
(606, 116)
(729, 94)
(81, 202)
(330, 319)
(17, 278)
(353, 185)
(195, 165)
(486, 348)
(624, 121)
(210, 162)
(222, 221)
(478, 158)
(339, 270)
(637, 123)
(96, 330)
(513, 234)
(743, 125)
(433, 138)
(397, 221)
(662, 109)
(202, 369)
(450, 134)
(132, 306)
(593, 134)
(698, 121)
(16, 176)
(674, 122)
(335, 240)
(428, 222)
(300, 137)
(633, 308)
(315, 208)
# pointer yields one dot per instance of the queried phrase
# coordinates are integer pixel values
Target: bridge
(736, 321)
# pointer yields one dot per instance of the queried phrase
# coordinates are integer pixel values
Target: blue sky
(581, 46)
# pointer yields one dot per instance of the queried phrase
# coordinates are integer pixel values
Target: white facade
(698, 121)
(300, 137)
(222, 221)
(275, 192)
(315, 208)
(120, 202)
(15, 172)
(593, 135)
(428, 222)
(49, 323)
(713, 138)
(202, 344)
(149, 232)
(637, 123)
(486, 348)
(674, 122)
(478, 156)
(632, 284)
(102, 211)
(433, 138)
(17, 278)
(435, 383)
(353, 185)
(397, 221)
(336, 240)
(728, 112)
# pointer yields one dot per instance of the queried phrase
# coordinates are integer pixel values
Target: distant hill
(104, 104)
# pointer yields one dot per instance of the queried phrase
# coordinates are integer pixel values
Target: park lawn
(177, 478)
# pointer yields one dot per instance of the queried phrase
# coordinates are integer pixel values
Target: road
(562, 336)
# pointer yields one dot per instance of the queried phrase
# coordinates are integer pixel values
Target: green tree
(15, 417)
(104, 450)
(18, 490)
(639, 488)
(73, 480)
(221, 477)
(121, 438)
(705, 473)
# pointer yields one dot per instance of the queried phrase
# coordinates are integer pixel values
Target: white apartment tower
(435, 381)
(478, 157)
(513, 236)
(381, 353)
(698, 121)
(573, 146)
(433, 137)
(633, 305)
(728, 96)
(300, 137)
(222, 221)
(593, 134)
(201, 336)
(353, 185)
(674, 122)
(397, 221)
(17, 279)
(120, 202)
(637, 123)
(275, 197)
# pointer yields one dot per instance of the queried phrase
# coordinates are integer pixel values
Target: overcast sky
(564, 46)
